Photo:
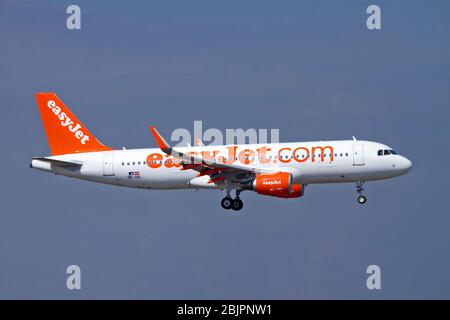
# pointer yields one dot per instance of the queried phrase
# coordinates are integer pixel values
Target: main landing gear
(230, 203)
(359, 190)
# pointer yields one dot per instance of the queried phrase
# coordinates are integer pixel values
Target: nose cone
(403, 165)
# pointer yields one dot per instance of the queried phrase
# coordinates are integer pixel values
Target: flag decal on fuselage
(134, 175)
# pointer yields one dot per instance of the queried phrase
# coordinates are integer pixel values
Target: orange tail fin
(65, 133)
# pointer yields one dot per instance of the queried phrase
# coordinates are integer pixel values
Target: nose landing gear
(228, 203)
(359, 190)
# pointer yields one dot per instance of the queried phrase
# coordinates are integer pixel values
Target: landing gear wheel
(361, 199)
(237, 204)
(227, 203)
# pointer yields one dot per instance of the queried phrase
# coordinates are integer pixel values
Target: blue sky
(311, 69)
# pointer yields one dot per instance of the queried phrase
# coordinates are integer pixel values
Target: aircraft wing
(218, 171)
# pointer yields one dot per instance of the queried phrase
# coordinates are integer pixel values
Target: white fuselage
(328, 162)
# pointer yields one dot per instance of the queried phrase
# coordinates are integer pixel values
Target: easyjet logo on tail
(65, 132)
(75, 128)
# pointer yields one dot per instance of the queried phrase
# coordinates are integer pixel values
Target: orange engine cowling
(277, 185)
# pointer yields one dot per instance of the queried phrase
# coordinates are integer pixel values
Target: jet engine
(277, 185)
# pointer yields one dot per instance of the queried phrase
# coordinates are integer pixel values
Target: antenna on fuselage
(354, 139)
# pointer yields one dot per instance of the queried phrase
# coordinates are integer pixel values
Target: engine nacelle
(278, 185)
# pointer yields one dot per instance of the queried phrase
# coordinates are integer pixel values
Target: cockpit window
(386, 152)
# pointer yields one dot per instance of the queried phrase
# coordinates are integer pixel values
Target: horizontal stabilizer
(59, 163)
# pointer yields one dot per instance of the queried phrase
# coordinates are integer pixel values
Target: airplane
(281, 170)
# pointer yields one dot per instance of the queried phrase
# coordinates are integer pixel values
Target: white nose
(404, 165)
